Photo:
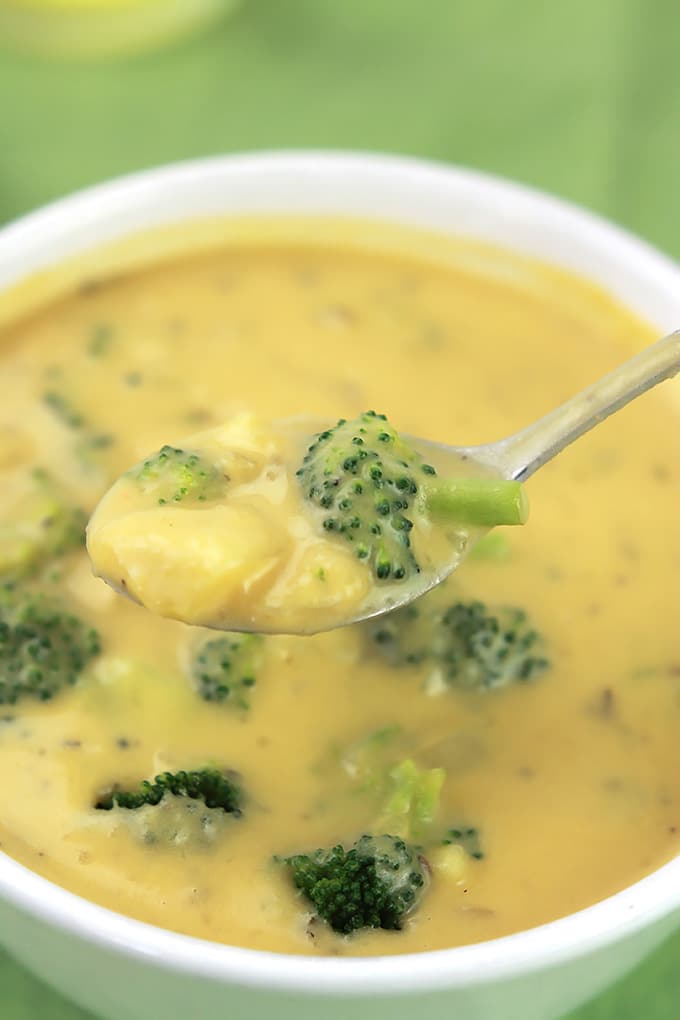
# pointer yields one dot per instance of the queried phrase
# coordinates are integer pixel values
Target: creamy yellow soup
(568, 779)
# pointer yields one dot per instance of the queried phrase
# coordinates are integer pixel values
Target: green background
(579, 98)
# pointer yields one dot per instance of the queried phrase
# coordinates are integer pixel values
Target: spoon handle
(523, 453)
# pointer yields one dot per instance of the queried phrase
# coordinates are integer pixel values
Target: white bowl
(125, 970)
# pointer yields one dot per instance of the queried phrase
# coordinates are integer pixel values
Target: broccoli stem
(477, 501)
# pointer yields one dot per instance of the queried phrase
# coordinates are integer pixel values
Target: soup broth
(568, 778)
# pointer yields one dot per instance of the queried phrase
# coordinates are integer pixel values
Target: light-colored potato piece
(323, 578)
(245, 439)
(192, 565)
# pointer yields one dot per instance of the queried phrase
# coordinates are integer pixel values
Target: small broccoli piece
(100, 340)
(412, 800)
(452, 858)
(37, 527)
(90, 448)
(370, 484)
(406, 795)
(468, 644)
(225, 668)
(88, 444)
(376, 883)
(63, 409)
(466, 836)
(43, 647)
(174, 475)
(214, 788)
(486, 649)
(177, 809)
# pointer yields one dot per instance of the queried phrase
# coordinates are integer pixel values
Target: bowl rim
(654, 897)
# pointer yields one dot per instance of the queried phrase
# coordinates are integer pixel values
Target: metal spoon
(520, 455)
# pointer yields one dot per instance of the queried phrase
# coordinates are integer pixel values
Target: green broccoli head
(214, 788)
(365, 478)
(174, 475)
(469, 645)
(376, 883)
(177, 808)
(225, 668)
(43, 646)
(371, 486)
(483, 648)
(40, 525)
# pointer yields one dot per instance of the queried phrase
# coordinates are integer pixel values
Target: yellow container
(99, 28)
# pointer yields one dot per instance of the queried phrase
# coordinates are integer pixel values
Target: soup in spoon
(250, 526)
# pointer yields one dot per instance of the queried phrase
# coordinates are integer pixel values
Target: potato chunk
(199, 566)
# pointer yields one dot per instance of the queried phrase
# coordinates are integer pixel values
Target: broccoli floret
(43, 646)
(407, 796)
(177, 808)
(370, 485)
(174, 475)
(489, 649)
(363, 476)
(376, 883)
(225, 668)
(467, 644)
(214, 788)
(412, 800)
(37, 527)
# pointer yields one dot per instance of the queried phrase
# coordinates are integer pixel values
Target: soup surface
(569, 779)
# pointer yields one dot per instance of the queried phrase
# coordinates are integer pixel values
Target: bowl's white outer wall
(122, 986)
(126, 970)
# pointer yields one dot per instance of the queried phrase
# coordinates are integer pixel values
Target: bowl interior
(398, 191)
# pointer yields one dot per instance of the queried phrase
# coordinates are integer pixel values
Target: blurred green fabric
(580, 98)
